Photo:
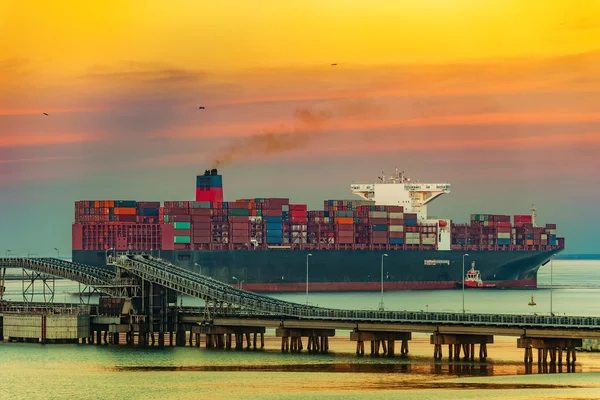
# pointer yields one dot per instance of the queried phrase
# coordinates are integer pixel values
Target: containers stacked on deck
(296, 225)
(209, 187)
(209, 223)
(122, 236)
(177, 214)
(128, 211)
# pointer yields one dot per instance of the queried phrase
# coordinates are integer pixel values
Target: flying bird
(333, 65)
(46, 114)
(201, 108)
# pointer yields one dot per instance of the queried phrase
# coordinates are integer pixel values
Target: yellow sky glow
(68, 36)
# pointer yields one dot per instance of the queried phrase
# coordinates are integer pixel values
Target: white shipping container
(503, 235)
(428, 240)
(396, 228)
(396, 215)
(378, 214)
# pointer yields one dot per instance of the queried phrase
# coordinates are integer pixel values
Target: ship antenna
(533, 215)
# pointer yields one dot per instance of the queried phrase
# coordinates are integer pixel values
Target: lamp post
(308, 255)
(551, 268)
(381, 305)
(238, 281)
(241, 284)
(106, 254)
(7, 251)
(463, 282)
(57, 253)
(200, 268)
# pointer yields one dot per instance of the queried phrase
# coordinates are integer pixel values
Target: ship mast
(533, 215)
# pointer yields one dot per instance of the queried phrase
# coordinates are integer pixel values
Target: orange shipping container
(344, 220)
(125, 211)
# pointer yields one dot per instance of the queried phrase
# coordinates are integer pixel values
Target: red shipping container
(345, 228)
(77, 237)
(396, 235)
(345, 240)
(503, 224)
(298, 207)
(201, 211)
(396, 221)
(301, 213)
(200, 219)
(181, 246)
(240, 226)
(238, 218)
(201, 226)
(411, 216)
(271, 212)
(148, 204)
(376, 240)
(345, 234)
(180, 218)
(167, 236)
(181, 232)
(298, 220)
(201, 240)
(379, 234)
(394, 208)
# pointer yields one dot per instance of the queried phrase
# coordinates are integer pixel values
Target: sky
(498, 98)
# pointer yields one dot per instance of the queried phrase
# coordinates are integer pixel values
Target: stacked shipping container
(211, 224)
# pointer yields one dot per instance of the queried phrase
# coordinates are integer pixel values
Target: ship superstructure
(414, 197)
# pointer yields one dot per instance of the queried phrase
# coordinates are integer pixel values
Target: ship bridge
(399, 190)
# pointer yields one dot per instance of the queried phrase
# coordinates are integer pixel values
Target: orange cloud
(39, 139)
(37, 159)
(360, 124)
(50, 111)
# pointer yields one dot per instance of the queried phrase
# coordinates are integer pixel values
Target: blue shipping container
(125, 203)
(396, 241)
(273, 226)
(380, 227)
(149, 212)
(503, 242)
(410, 222)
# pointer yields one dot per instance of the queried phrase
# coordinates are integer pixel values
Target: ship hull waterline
(350, 270)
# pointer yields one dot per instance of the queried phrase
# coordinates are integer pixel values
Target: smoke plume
(308, 123)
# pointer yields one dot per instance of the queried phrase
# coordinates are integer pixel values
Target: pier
(140, 305)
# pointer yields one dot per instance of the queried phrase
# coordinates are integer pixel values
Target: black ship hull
(351, 270)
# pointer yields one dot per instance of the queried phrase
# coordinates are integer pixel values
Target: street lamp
(7, 251)
(308, 255)
(551, 258)
(238, 281)
(463, 281)
(381, 305)
(241, 284)
(106, 254)
(57, 253)
(199, 266)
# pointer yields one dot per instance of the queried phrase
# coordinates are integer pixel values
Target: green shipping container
(182, 225)
(166, 218)
(242, 212)
(182, 239)
(259, 213)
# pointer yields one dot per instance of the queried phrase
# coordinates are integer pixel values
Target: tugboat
(473, 279)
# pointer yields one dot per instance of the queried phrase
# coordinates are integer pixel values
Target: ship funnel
(213, 171)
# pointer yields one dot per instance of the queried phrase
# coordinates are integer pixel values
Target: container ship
(272, 245)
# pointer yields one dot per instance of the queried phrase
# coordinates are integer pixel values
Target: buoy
(531, 303)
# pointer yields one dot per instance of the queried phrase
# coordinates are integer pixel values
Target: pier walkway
(146, 290)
